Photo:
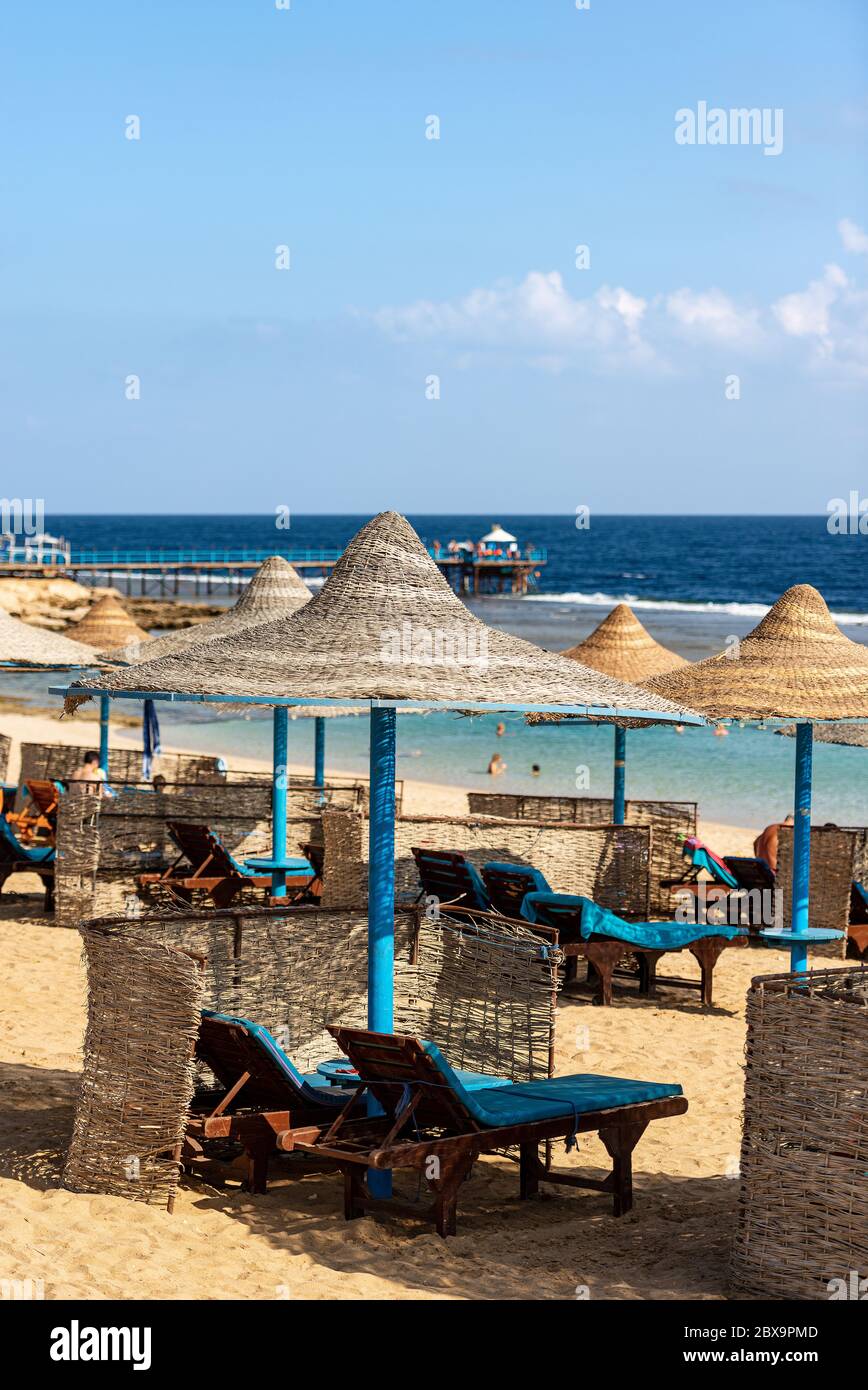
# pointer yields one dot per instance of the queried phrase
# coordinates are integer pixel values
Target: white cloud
(551, 328)
(712, 314)
(539, 312)
(807, 312)
(852, 236)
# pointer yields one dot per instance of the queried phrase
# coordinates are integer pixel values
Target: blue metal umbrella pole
(619, 785)
(319, 752)
(104, 732)
(278, 802)
(802, 847)
(381, 898)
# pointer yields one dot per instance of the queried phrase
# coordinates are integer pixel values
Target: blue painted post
(278, 801)
(802, 846)
(104, 704)
(381, 898)
(618, 791)
(319, 751)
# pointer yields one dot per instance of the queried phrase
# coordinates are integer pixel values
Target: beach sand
(293, 1242)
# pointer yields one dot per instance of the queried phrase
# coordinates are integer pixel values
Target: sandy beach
(293, 1242)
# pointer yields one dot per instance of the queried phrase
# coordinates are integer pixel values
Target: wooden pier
(161, 574)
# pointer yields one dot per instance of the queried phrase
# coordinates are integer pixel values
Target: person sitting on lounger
(765, 846)
(90, 772)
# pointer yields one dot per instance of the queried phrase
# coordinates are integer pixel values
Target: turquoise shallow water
(745, 778)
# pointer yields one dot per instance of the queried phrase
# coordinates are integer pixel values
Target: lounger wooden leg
(353, 1191)
(707, 953)
(604, 955)
(48, 885)
(257, 1167)
(620, 1143)
(452, 1175)
(648, 972)
(529, 1166)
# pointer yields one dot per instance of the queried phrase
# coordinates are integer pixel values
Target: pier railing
(197, 555)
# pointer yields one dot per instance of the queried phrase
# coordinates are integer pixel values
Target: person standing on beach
(90, 774)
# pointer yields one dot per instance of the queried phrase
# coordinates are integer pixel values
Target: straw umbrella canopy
(107, 625)
(275, 590)
(622, 647)
(25, 646)
(795, 664)
(387, 629)
(846, 735)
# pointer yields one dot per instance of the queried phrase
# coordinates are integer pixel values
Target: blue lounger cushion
(862, 891)
(599, 921)
(534, 876)
(42, 854)
(547, 1099)
(700, 859)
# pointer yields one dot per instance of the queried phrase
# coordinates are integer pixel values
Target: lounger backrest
(560, 910)
(701, 857)
(43, 795)
(750, 872)
(230, 1046)
(447, 875)
(393, 1065)
(10, 850)
(509, 884)
(198, 843)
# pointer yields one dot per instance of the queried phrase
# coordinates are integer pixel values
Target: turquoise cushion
(701, 859)
(550, 1098)
(599, 921)
(42, 854)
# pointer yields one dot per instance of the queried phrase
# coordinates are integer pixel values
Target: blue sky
(413, 258)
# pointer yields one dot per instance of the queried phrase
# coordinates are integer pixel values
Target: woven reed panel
(610, 864)
(486, 995)
(40, 761)
(833, 853)
(669, 822)
(802, 1215)
(144, 1004)
(5, 750)
(105, 843)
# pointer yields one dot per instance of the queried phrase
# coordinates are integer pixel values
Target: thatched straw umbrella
(795, 664)
(23, 646)
(385, 629)
(107, 624)
(275, 591)
(621, 647)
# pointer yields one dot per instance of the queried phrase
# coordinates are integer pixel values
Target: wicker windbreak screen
(104, 844)
(609, 863)
(833, 868)
(486, 993)
(802, 1225)
(669, 822)
(5, 750)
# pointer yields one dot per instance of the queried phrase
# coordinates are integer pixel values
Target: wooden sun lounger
(431, 1125)
(213, 869)
(261, 1096)
(16, 858)
(40, 813)
(449, 877)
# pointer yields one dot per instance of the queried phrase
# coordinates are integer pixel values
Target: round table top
(339, 1071)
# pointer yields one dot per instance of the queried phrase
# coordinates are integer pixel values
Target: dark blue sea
(694, 581)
